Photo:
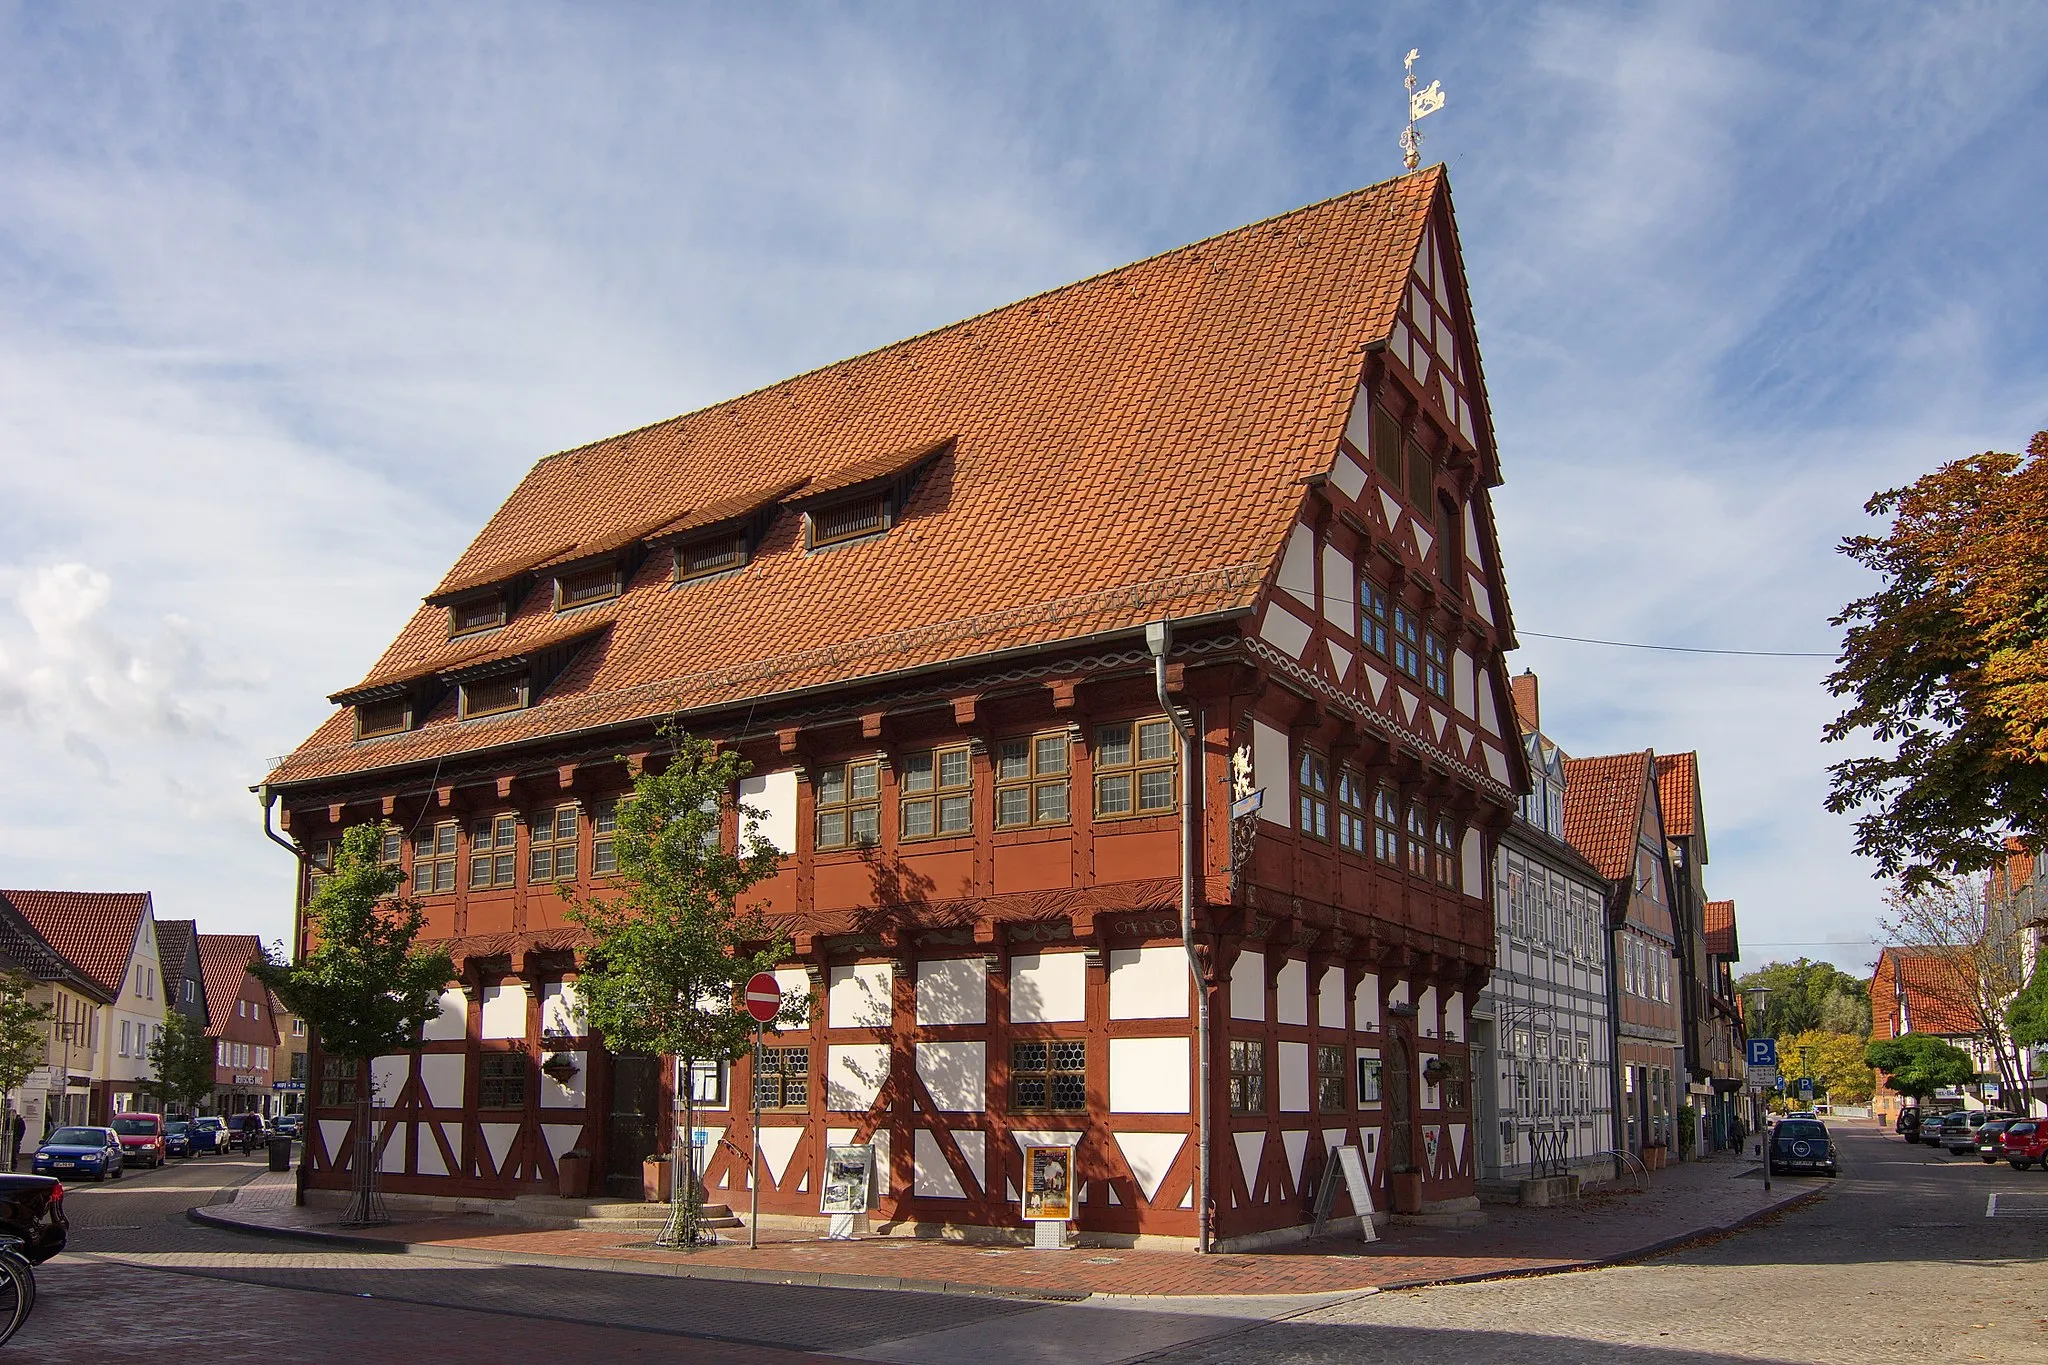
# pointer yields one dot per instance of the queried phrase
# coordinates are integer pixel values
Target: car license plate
(66, 1165)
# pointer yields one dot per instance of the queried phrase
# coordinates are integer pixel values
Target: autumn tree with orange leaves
(1946, 668)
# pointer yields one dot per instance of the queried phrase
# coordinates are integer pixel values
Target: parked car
(1959, 1130)
(142, 1138)
(80, 1151)
(1801, 1145)
(1988, 1136)
(209, 1134)
(32, 1211)
(1930, 1129)
(2025, 1143)
(288, 1124)
(245, 1132)
(1908, 1124)
(178, 1138)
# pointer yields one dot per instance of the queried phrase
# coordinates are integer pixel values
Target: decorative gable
(1429, 339)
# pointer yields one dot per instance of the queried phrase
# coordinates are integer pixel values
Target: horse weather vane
(1421, 104)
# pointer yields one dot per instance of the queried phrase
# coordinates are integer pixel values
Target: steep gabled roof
(1720, 927)
(1120, 449)
(1937, 991)
(25, 950)
(224, 960)
(94, 931)
(1678, 792)
(174, 944)
(1603, 810)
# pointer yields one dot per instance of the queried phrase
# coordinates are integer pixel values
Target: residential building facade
(184, 979)
(60, 1090)
(913, 591)
(1713, 1054)
(242, 1026)
(289, 1068)
(1541, 1032)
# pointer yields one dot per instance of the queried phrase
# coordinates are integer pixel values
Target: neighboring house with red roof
(1709, 1017)
(1926, 990)
(241, 1024)
(913, 590)
(184, 980)
(1614, 817)
(60, 1090)
(109, 939)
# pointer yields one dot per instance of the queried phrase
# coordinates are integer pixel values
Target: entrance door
(634, 1127)
(1400, 1080)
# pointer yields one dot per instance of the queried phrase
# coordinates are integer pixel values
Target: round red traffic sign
(764, 997)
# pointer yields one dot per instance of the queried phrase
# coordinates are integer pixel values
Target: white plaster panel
(778, 1145)
(1482, 600)
(1330, 998)
(1150, 1156)
(1376, 681)
(568, 1094)
(973, 1144)
(1251, 1150)
(1340, 602)
(1298, 567)
(451, 1024)
(1358, 427)
(561, 1010)
(1397, 994)
(1390, 507)
(1464, 695)
(1347, 474)
(955, 1075)
(1423, 539)
(858, 995)
(1148, 1075)
(1496, 763)
(1284, 630)
(1049, 988)
(952, 990)
(1475, 865)
(1340, 659)
(441, 1076)
(391, 1160)
(1489, 714)
(854, 1074)
(429, 1160)
(1148, 983)
(498, 1143)
(388, 1076)
(1365, 1004)
(560, 1137)
(1295, 1144)
(504, 1011)
(774, 796)
(795, 985)
(1273, 769)
(1426, 1016)
(1471, 535)
(334, 1140)
(932, 1176)
(1293, 1078)
(1454, 1016)
(1248, 986)
(1290, 993)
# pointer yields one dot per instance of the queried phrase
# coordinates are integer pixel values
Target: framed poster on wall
(1048, 1184)
(849, 1179)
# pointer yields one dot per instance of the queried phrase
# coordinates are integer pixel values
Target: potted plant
(657, 1178)
(572, 1172)
(559, 1067)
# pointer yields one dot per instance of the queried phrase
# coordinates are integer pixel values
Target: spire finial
(1421, 104)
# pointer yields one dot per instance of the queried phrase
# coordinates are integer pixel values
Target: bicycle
(17, 1287)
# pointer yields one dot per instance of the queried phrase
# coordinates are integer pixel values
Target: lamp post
(1754, 1001)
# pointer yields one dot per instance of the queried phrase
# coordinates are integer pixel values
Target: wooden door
(634, 1125)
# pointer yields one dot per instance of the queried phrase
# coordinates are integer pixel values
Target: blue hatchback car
(78, 1152)
(1801, 1145)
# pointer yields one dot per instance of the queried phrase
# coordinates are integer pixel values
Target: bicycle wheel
(17, 1293)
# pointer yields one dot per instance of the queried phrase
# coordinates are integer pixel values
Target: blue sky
(290, 299)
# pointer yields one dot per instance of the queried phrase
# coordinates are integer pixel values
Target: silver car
(1959, 1131)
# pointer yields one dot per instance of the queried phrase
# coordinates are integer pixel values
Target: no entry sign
(764, 997)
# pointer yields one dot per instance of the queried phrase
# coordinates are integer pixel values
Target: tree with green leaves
(361, 982)
(181, 1055)
(1918, 1064)
(2027, 1015)
(1833, 1060)
(671, 943)
(1805, 996)
(24, 1042)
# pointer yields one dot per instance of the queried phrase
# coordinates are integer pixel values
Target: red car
(2025, 1143)
(142, 1138)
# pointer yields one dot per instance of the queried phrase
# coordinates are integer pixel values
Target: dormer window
(849, 520)
(489, 696)
(477, 613)
(586, 586)
(390, 716)
(712, 555)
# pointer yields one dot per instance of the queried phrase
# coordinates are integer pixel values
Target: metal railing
(1627, 1163)
(1549, 1152)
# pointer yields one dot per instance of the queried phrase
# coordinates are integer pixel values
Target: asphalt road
(1898, 1261)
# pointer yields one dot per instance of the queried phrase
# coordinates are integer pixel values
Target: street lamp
(1753, 1001)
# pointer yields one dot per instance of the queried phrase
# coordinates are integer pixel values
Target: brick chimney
(1526, 709)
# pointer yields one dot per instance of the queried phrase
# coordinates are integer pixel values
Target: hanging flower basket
(559, 1067)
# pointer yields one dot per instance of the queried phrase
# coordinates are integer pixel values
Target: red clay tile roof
(1134, 444)
(1720, 926)
(224, 961)
(93, 930)
(22, 949)
(728, 509)
(1937, 993)
(1678, 791)
(529, 634)
(1603, 810)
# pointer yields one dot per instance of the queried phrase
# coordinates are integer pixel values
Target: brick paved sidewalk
(1679, 1204)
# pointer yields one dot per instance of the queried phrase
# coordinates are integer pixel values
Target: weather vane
(1421, 104)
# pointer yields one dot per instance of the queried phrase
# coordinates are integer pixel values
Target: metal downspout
(1159, 639)
(301, 857)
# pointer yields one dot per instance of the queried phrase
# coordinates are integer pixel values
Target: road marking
(1991, 1207)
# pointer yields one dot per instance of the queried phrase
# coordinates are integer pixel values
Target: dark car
(178, 1138)
(1801, 1145)
(1988, 1147)
(80, 1152)
(209, 1134)
(142, 1137)
(32, 1210)
(288, 1125)
(1908, 1124)
(245, 1132)
(2024, 1143)
(1930, 1129)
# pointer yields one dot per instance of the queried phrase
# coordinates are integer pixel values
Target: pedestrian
(16, 1129)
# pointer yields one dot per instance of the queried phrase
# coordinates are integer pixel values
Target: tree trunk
(685, 1215)
(366, 1204)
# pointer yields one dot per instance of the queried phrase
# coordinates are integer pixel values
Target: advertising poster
(1048, 1184)
(849, 1177)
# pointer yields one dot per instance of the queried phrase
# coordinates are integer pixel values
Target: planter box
(1653, 1157)
(572, 1175)
(657, 1180)
(1404, 1191)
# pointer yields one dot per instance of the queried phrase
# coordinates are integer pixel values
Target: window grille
(1330, 1079)
(782, 1077)
(1247, 1076)
(1407, 642)
(1418, 840)
(433, 860)
(478, 613)
(1368, 1082)
(339, 1081)
(1373, 616)
(936, 793)
(551, 854)
(387, 717)
(591, 585)
(1446, 861)
(1435, 665)
(492, 860)
(501, 1081)
(489, 696)
(1386, 827)
(1031, 781)
(1135, 768)
(848, 520)
(702, 558)
(1049, 1075)
(1353, 826)
(849, 801)
(1313, 788)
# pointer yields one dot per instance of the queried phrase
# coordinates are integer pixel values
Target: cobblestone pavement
(1897, 1263)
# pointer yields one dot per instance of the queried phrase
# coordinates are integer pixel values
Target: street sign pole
(754, 1162)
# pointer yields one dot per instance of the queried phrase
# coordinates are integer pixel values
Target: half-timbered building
(912, 589)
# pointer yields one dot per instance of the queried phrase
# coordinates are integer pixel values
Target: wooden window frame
(1444, 848)
(522, 686)
(884, 518)
(1354, 815)
(1330, 1069)
(848, 806)
(1407, 656)
(739, 555)
(456, 626)
(1436, 665)
(546, 846)
(365, 729)
(939, 783)
(501, 1076)
(1371, 1094)
(1386, 441)
(1055, 1078)
(604, 826)
(1035, 780)
(1415, 840)
(1136, 768)
(1247, 1058)
(340, 1080)
(437, 852)
(1386, 826)
(1420, 483)
(1375, 617)
(1312, 796)
(500, 856)
(614, 574)
(786, 1083)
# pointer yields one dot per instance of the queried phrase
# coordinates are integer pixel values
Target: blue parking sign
(1763, 1052)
